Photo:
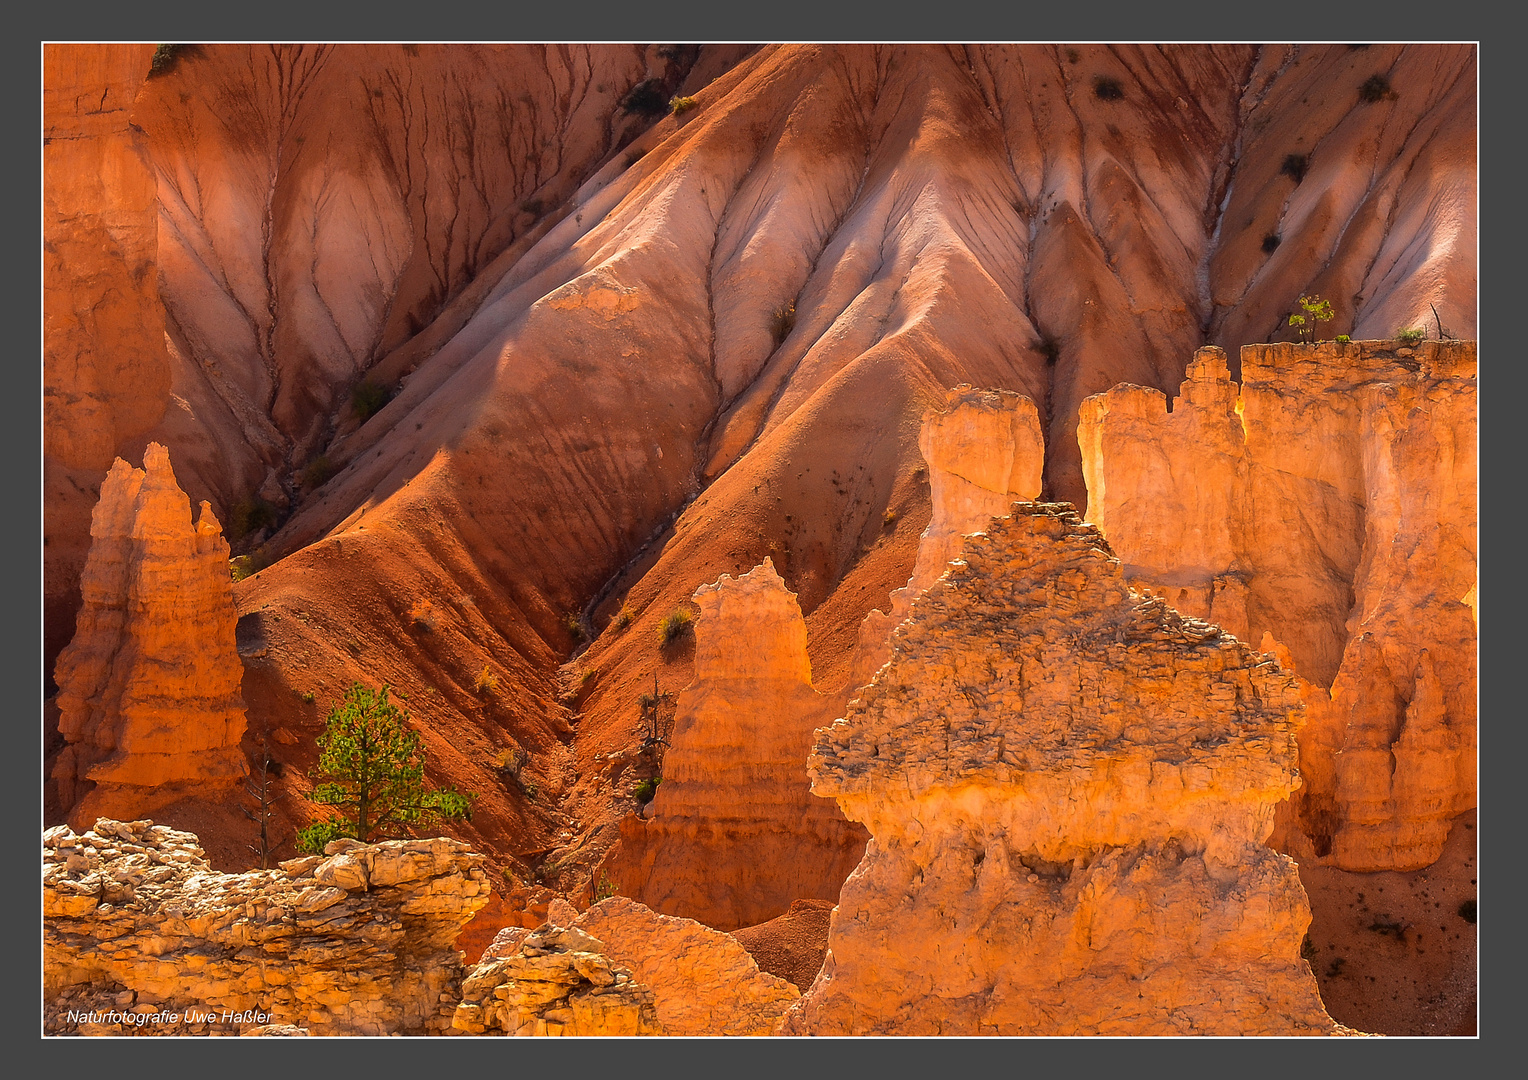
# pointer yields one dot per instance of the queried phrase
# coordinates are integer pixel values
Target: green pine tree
(372, 770)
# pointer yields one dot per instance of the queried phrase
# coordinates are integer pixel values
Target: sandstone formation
(703, 981)
(149, 694)
(983, 450)
(1329, 506)
(357, 941)
(555, 982)
(1068, 788)
(106, 373)
(734, 834)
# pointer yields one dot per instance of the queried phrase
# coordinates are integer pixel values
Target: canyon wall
(1068, 787)
(355, 942)
(734, 834)
(149, 688)
(1326, 507)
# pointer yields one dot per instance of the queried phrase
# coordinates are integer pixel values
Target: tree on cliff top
(372, 768)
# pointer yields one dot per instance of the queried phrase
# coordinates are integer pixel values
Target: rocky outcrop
(1327, 507)
(703, 981)
(357, 941)
(982, 451)
(734, 833)
(554, 981)
(1068, 787)
(149, 689)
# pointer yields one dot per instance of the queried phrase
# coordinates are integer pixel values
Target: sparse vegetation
(1467, 911)
(574, 628)
(422, 616)
(624, 617)
(675, 624)
(1106, 88)
(645, 98)
(605, 888)
(243, 566)
(250, 515)
(371, 765)
(783, 321)
(1313, 310)
(165, 57)
(889, 518)
(317, 473)
(367, 398)
(1050, 348)
(1296, 166)
(681, 105)
(1374, 89)
(646, 789)
(1410, 336)
(308, 697)
(1271, 243)
(1343, 339)
(487, 683)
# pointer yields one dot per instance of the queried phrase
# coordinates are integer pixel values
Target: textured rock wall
(357, 941)
(734, 833)
(149, 689)
(1330, 505)
(1068, 787)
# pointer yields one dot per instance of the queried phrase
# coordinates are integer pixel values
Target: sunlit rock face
(1068, 787)
(149, 689)
(1328, 506)
(734, 833)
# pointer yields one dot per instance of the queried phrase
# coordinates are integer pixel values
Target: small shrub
(1271, 243)
(486, 683)
(1374, 89)
(889, 519)
(250, 516)
(573, 626)
(1467, 911)
(164, 58)
(1411, 336)
(674, 624)
(1050, 348)
(1313, 310)
(317, 473)
(1296, 165)
(646, 789)
(1344, 339)
(624, 617)
(605, 889)
(531, 789)
(243, 566)
(645, 98)
(1107, 89)
(422, 616)
(783, 321)
(367, 399)
(681, 105)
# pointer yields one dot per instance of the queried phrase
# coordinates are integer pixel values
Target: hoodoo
(1327, 506)
(149, 694)
(1068, 786)
(735, 833)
